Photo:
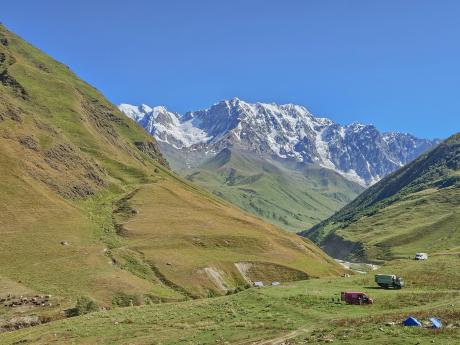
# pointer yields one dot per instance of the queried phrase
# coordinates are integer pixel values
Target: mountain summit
(289, 132)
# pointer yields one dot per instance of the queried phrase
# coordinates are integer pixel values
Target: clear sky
(395, 64)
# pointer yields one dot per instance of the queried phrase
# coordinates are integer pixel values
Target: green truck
(389, 281)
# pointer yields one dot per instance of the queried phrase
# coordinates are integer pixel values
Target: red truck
(355, 298)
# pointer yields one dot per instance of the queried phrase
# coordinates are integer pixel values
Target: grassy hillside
(303, 312)
(291, 197)
(88, 206)
(413, 209)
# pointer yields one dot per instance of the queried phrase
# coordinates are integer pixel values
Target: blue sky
(395, 64)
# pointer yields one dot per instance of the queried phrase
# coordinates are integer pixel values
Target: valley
(301, 312)
(291, 196)
(278, 162)
(240, 223)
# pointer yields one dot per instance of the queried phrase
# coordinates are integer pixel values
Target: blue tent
(436, 323)
(412, 321)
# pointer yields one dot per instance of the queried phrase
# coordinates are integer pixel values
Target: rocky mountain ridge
(359, 152)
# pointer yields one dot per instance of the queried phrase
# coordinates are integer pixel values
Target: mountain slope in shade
(415, 209)
(89, 207)
(292, 197)
(359, 152)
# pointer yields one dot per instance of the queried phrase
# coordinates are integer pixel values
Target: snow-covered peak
(132, 111)
(145, 108)
(157, 109)
(355, 127)
(357, 151)
(390, 136)
(165, 126)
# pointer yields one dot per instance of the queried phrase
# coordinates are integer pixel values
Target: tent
(436, 323)
(412, 321)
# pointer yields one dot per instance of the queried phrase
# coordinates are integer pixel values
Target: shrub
(124, 300)
(84, 305)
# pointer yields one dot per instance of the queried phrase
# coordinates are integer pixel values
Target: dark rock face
(359, 152)
(152, 150)
(64, 158)
(29, 142)
(8, 81)
(6, 60)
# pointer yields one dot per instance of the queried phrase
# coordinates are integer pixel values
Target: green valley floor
(303, 312)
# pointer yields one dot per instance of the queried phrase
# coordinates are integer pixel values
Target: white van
(421, 256)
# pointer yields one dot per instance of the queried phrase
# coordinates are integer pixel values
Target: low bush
(125, 300)
(84, 305)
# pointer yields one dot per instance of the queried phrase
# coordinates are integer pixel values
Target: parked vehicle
(421, 256)
(389, 281)
(355, 298)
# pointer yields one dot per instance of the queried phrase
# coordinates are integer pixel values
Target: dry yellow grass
(75, 169)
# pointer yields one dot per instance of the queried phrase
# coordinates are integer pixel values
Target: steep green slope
(291, 197)
(414, 209)
(89, 207)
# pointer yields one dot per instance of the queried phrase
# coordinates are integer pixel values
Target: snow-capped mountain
(166, 126)
(358, 152)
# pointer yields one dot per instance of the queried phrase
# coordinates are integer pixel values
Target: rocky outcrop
(152, 150)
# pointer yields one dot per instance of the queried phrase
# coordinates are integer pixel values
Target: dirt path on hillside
(281, 339)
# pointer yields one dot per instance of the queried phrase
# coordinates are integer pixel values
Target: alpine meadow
(244, 216)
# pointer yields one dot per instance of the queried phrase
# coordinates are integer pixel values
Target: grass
(179, 232)
(85, 213)
(293, 198)
(413, 210)
(304, 307)
(423, 222)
